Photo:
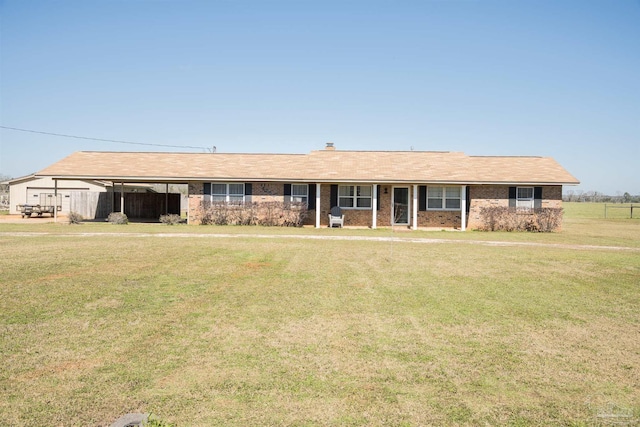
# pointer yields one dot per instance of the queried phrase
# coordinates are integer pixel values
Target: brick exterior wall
(262, 192)
(498, 195)
(480, 195)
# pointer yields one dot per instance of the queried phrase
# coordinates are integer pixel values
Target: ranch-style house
(416, 189)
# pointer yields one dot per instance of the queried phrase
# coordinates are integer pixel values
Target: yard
(270, 327)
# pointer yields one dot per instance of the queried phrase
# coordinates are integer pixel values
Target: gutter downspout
(317, 205)
(374, 219)
(414, 207)
(463, 208)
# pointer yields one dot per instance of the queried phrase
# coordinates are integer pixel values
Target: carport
(130, 198)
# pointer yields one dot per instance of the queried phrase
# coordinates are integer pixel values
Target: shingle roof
(318, 166)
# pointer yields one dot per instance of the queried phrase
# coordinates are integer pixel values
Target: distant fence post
(622, 206)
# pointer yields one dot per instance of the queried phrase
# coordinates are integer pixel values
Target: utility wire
(104, 140)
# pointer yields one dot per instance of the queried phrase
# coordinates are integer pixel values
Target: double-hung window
(524, 198)
(443, 198)
(355, 196)
(299, 193)
(228, 192)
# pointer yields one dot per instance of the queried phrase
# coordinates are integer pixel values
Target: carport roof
(318, 166)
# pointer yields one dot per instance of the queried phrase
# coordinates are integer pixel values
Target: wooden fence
(94, 205)
(148, 205)
(630, 207)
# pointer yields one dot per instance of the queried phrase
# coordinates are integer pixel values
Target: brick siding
(480, 195)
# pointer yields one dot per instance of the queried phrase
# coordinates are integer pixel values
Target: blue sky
(549, 78)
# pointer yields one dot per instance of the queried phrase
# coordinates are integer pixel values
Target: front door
(400, 206)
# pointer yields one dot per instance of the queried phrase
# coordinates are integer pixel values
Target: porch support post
(122, 197)
(55, 200)
(463, 208)
(318, 185)
(166, 199)
(374, 207)
(414, 207)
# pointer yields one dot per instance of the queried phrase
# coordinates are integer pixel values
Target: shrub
(270, 214)
(117, 218)
(500, 218)
(75, 218)
(171, 219)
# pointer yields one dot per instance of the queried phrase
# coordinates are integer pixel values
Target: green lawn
(242, 330)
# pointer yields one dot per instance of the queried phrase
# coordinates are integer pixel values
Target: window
(524, 198)
(443, 198)
(299, 193)
(354, 196)
(233, 193)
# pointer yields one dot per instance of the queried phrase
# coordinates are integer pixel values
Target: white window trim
(444, 198)
(306, 195)
(355, 197)
(528, 201)
(227, 195)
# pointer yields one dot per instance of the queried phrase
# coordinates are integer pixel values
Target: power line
(104, 140)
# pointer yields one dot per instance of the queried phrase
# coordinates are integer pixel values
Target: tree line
(597, 197)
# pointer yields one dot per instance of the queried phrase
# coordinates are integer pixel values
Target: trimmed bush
(117, 218)
(171, 219)
(500, 218)
(75, 218)
(270, 214)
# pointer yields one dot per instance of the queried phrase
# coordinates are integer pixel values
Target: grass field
(241, 330)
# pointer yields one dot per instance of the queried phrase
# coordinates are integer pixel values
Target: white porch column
(463, 208)
(166, 199)
(318, 205)
(414, 207)
(122, 197)
(55, 200)
(374, 220)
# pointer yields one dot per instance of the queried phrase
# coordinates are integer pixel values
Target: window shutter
(512, 197)
(287, 193)
(312, 197)
(422, 198)
(333, 200)
(207, 192)
(248, 189)
(537, 197)
(378, 198)
(468, 193)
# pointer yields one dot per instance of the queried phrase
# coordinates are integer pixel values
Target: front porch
(391, 205)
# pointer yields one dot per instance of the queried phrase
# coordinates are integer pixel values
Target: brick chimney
(330, 147)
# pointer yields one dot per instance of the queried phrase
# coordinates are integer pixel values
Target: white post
(374, 220)
(463, 208)
(318, 205)
(414, 208)
(55, 200)
(166, 199)
(122, 197)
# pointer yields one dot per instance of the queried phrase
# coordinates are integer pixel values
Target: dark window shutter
(312, 197)
(248, 191)
(333, 200)
(379, 190)
(287, 190)
(468, 194)
(537, 197)
(207, 192)
(512, 197)
(422, 198)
